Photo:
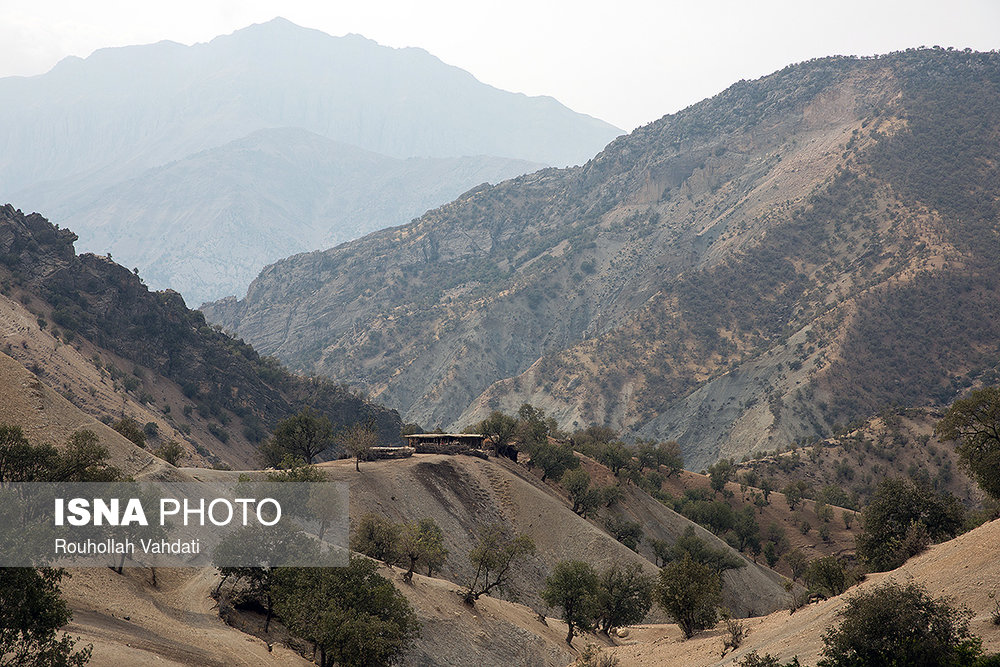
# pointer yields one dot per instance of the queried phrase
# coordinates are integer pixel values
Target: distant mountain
(207, 224)
(123, 110)
(785, 258)
(201, 164)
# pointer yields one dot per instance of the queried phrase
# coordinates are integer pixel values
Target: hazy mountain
(794, 253)
(123, 110)
(134, 147)
(207, 224)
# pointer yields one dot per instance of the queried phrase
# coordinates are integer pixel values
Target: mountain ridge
(731, 249)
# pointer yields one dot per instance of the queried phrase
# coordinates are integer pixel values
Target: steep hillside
(463, 494)
(91, 330)
(790, 255)
(207, 224)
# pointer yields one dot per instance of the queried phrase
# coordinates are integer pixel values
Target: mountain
(123, 110)
(91, 330)
(767, 265)
(201, 164)
(206, 224)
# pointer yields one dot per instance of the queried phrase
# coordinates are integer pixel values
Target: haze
(628, 64)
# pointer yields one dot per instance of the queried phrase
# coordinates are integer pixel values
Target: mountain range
(143, 144)
(768, 265)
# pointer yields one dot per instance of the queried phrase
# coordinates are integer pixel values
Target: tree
(793, 495)
(422, 542)
(615, 456)
(747, 529)
(84, 459)
(495, 554)
(499, 429)
(826, 576)
(131, 429)
(624, 596)
(719, 473)
(975, 423)
(689, 545)
(627, 532)
(901, 518)
(31, 613)
(797, 562)
(892, 624)
(377, 537)
(577, 484)
(303, 436)
(353, 615)
(572, 586)
(691, 593)
(532, 429)
(170, 452)
(554, 460)
(358, 440)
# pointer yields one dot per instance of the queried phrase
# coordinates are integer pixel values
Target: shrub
(892, 624)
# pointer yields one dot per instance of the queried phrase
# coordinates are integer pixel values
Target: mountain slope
(147, 348)
(823, 238)
(205, 225)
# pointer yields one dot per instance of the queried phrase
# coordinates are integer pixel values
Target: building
(445, 443)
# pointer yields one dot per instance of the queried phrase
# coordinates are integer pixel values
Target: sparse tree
(691, 593)
(496, 553)
(303, 436)
(975, 423)
(358, 441)
(573, 587)
(624, 596)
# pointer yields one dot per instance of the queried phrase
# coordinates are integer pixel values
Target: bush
(892, 624)
(170, 452)
(901, 519)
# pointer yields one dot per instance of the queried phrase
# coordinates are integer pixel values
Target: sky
(628, 62)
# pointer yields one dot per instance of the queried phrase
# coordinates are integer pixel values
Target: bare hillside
(965, 569)
(462, 494)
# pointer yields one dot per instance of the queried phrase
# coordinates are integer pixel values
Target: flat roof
(445, 435)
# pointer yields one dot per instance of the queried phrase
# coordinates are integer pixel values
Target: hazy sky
(628, 62)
